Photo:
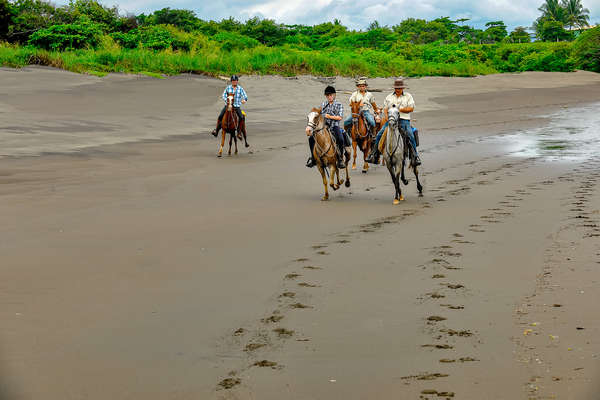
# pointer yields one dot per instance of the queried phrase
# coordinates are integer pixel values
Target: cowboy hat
(361, 81)
(399, 84)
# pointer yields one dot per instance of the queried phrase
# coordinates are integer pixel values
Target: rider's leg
(238, 111)
(405, 125)
(348, 123)
(340, 144)
(374, 154)
(311, 161)
(215, 131)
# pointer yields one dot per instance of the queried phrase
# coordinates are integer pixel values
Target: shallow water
(572, 135)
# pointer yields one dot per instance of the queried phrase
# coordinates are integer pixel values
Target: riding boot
(373, 156)
(311, 160)
(215, 131)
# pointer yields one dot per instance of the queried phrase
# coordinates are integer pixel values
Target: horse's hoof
(219, 155)
(354, 166)
(347, 183)
(401, 198)
(405, 181)
(420, 194)
(364, 171)
(324, 198)
(396, 201)
(247, 145)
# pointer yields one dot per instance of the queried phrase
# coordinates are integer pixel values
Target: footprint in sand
(266, 364)
(312, 267)
(229, 383)
(283, 333)
(308, 285)
(293, 275)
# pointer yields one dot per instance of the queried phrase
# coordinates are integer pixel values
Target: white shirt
(406, 100)
(367, 98)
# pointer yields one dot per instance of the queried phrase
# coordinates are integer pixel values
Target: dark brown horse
(232, 125)
(361, 136)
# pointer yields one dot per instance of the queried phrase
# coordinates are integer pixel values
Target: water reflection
(572, 135)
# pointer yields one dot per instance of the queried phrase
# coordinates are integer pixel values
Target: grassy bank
(407, 60)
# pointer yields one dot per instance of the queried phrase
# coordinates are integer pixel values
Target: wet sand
(135, 264)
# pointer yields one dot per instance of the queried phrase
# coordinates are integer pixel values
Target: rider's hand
(243, 101)
(327, 116)
(308, 131)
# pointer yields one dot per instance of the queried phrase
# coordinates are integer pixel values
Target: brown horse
(361, 136)
(325, 153)
(231, 124)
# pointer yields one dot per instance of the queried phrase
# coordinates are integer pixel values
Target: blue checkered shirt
(336, 108)
(239, 94)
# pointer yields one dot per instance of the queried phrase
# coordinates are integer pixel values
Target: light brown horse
(230, 124)
(361, 136)
(325, 153)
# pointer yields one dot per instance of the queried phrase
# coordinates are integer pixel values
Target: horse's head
(393, 115)
(230, 101)
(314, 118)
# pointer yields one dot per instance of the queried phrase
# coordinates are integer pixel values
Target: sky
(355, 14)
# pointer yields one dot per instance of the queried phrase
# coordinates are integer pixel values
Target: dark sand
(153, 270)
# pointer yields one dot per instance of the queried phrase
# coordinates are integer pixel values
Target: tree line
(81, 23)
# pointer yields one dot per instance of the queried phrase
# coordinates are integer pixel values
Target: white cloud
(356, 14)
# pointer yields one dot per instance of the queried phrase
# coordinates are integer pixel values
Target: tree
(496, 31)
(586, 50)
(553, 31)
(182, 19)
(6, 18)
(575, 14)
(553, 10)
(520, 35)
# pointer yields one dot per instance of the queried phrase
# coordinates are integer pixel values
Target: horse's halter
(230, 101)
(312, 124)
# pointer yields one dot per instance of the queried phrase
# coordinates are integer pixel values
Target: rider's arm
(244, 95)
(225, 94)
(410, 107)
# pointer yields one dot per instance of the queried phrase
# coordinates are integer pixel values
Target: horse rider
(367, 102)
(405, 104)
(332, 110)
(239, 98)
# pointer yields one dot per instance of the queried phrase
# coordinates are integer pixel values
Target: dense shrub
(155, 37)
(586, 50)
(234, 41)
(81, 34)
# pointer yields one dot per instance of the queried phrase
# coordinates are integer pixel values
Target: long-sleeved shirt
(239, 94)
(335, 108)
(406, 100)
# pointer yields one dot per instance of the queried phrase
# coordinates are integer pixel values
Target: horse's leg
(235, 141)
(354, 151)
(244, 132)
(365, 151)
(390, 167)
(419, 186)
(332, 171)
(230, 139)
(403, 177)
(322, 172)
(347, 174)
(222, 142)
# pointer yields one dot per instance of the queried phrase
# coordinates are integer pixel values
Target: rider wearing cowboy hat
(368, 106)
(239, 98)
(332, 110)
(405, 103)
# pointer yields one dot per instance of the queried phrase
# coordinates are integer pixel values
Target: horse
(325, 153)
(395, 154)
(361, 135)
(230, 124)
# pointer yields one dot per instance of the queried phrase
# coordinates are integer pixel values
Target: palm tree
(575, 14)
(553, 10)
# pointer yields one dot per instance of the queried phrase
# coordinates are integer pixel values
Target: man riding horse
(239, 98)
(333, 111)
(368, 107)
(405, 104)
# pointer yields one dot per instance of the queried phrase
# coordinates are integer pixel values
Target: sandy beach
(138, 265)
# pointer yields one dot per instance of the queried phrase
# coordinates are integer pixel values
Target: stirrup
(214, 132)
(310, 162)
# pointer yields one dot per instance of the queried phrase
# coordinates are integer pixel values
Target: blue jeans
(404, 124)
(368, 117)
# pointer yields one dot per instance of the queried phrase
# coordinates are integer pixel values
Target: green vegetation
(85, 36)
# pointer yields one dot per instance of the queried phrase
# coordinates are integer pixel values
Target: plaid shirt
(336, 108)
(239, 94)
